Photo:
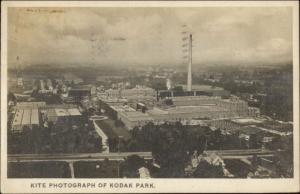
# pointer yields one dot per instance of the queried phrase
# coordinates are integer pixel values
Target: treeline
(54, 139)
(173, 144)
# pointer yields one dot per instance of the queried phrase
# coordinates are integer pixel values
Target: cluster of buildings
(131, 97)
(35, 114)
(45, 86)
(140, 105)
(246, 127)
(62, 115)
(139, 92)
(211, 158)
(130, 116)
(69, 88)
(196, 90)
(26, 115)
(181, 109)
(25, 118)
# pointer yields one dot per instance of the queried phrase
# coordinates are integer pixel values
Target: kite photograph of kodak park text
(150, 92)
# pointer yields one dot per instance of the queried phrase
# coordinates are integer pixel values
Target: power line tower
(18, 70)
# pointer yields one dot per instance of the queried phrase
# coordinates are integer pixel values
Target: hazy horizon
(148, 36)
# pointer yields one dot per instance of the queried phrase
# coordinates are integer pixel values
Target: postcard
(149, 96)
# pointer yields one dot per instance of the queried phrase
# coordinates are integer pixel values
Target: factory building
(130, 97)
(197, 90)
(224, 124)
(77, 94)
(133, 119)
(25, 118)
(136, 92)
(181, 109)
(237, 106)
(195, 100)
(179, 113)
(26, 115)
(234, 105)
(63, 115)
(31, 104)
(254, 111)
(130, 117)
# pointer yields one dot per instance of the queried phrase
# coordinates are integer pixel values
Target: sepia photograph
(186, 93)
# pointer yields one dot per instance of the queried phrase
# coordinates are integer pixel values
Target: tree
(169, 102)
(202, 141)
(11, 97)
(113, 144)
(130, 166)
(134, 132)
(206, 170)
(144, 109)
(255, 161)
(178, 89)
(216, 139)
(254, 142)
(119, 123)
(132, 146)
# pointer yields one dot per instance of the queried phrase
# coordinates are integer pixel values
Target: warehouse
(31, 104)
(63, 115)
(25, 118)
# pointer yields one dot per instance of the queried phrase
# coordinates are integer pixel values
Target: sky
(148, 36)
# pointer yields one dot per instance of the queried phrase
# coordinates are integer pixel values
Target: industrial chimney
(189, 77)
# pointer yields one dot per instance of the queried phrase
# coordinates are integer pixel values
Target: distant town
(154, 121)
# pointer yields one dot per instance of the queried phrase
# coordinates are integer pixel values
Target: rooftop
(202, 87)
(31, 104)
(123, 108)
(113, 100)
(26, 117)
(34, 116)
(74, 112)
(156, 111)
(247, 120)
(136, 116)
(181, 98)
(62, 112)
(250, 130)
(117, 130)
(85, 87)
(185, 109)
(18, 117)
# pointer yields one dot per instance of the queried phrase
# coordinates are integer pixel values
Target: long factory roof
(26, 117)
(62, 112)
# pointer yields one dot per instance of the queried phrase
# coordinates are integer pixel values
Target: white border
(161, 185)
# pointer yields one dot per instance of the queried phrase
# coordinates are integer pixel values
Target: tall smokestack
(168, 84)
(189, 78)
